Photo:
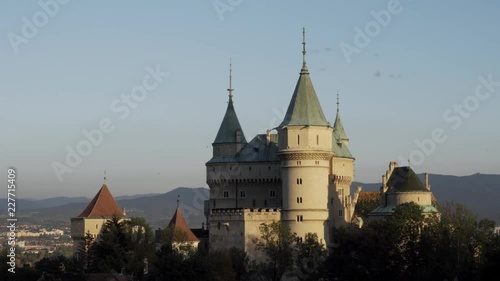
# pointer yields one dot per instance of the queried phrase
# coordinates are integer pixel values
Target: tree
(141, 247)
(228, 265)
(123, 244)
(109, 253)
(310, 255)
(278, 243)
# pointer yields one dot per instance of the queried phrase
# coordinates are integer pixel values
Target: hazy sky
(65, 68)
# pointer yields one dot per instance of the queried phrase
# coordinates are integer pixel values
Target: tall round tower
(305, 151)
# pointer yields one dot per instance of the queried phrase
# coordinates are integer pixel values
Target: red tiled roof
(103, 205)
(179, 225)
(369, 196)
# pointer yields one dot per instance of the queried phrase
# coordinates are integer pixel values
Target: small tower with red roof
(90, 221)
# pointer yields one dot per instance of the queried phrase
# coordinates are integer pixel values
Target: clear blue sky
(394, 91)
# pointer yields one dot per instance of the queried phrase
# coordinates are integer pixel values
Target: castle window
(300, 218)
(226, 194)
(297, 200)
(300, 200)
(250, 168)
(299, 239)
(96, 226)
(298, 139)
(243, 194)
(331, 200)
(317, 139)
(297, 180)
(269, 168)
(272, 193)
(300, 180)
(341, 213)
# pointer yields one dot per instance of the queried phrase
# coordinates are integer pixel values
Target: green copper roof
(340, 150)
(338, 129)
(257, 150)
(389, 210)
(229, 126)
(404, 179)
(304, 108)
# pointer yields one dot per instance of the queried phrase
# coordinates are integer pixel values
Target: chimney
(427, 185)
(124, 212)
(268, 136)
(384, 181)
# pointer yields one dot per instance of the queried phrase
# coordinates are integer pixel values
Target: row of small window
(249, 168)
(317, 139)
(243, 194)
(300, 218)
(300, 162)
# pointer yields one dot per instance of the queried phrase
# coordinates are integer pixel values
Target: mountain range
(479, 192)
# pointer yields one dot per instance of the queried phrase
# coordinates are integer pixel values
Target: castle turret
(338, 129)
(230, 138)
(305, 150)
(341, 205)
(91, 220)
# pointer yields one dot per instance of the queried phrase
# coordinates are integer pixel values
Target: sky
(147, 80)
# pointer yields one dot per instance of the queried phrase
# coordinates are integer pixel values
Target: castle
(300, 175)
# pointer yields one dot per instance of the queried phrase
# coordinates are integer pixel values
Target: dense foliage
(406, 246)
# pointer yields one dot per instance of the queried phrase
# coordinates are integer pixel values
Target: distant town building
(300, 175)
(90, 221)
(401, 185)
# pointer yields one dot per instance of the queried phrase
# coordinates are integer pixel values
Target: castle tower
(230, 138)
(305, 151)
(90, 221)
(341, 204)
(401, 185)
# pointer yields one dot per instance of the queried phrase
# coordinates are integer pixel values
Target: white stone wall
(239, 228)
(419, 197)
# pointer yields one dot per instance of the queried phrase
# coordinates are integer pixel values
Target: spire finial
(303, 46)
(338, 102)
(178, 196)
(230, 90)
(104, 176)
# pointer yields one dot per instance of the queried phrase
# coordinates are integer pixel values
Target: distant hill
(479, 192)
(156, 208)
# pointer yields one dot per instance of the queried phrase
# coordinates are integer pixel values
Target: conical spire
(338, 128)
(182, 232)
(230, 125)
(102, 205)
(304, 108)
